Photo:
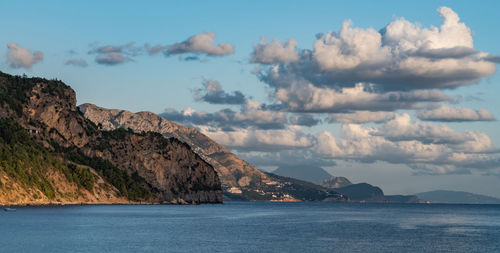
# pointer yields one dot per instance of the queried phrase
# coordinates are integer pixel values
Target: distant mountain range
(313, 174)
(456, 197)
(364, 192)
(240, 180)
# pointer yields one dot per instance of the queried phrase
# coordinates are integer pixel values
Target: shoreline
(4, 205)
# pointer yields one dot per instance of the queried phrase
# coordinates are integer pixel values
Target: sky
(399, 94)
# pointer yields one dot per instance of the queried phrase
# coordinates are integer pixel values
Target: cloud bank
(455, 114)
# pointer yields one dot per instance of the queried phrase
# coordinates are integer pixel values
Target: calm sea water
(253, 227)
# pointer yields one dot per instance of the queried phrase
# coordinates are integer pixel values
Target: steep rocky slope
(240, 180)
(233, 171)
(141, 166)
(335, 182)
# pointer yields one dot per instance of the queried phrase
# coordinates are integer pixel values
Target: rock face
(335, 182)
(233, 171)
(166, 167)
(239, 179)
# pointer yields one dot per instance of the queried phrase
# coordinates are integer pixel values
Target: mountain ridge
(239, 179)
(143, 167)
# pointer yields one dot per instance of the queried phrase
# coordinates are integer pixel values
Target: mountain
(240, 180)
(335, 182)
(50, 153)
(362, 192)
(307, 191)
(365, 192)
(311, 174)
(457, 197)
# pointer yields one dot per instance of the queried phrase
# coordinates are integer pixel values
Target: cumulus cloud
(115, 54)
(435, 149)
(213, 93)
(77, 62)
(251, 114)
(401, 56)
(19, 57)
(305, 97)
(203, 43)
(252, 139)
(424, 147)
(455, 114)
(275, 51)
(402, 128)
(359, 117)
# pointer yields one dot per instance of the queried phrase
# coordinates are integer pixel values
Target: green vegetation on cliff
(130, 186)
(27, 162)
(13, 90)
(47, 144)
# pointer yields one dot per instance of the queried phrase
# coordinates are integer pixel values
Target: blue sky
(156, 82)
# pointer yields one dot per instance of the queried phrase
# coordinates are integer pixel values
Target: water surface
(253, 227)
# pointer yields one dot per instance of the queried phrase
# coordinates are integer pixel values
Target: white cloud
(261, 140)
(360, 117)
(305, 97)
(402, 56)
(455, 114)
(201, 43)
(251, 114)
(275, 51)
(422, 145)
(19, 57)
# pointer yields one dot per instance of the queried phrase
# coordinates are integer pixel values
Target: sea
(252, 227)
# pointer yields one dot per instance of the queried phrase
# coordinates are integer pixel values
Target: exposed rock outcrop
(240, 180)
(166, 167)
(335, 182)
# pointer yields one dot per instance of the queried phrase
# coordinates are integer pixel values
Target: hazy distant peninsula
(457, 197)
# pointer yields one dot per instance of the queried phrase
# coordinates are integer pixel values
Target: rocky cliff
(240, 180)
(233, 171)
(143, 166)
(335, 182)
